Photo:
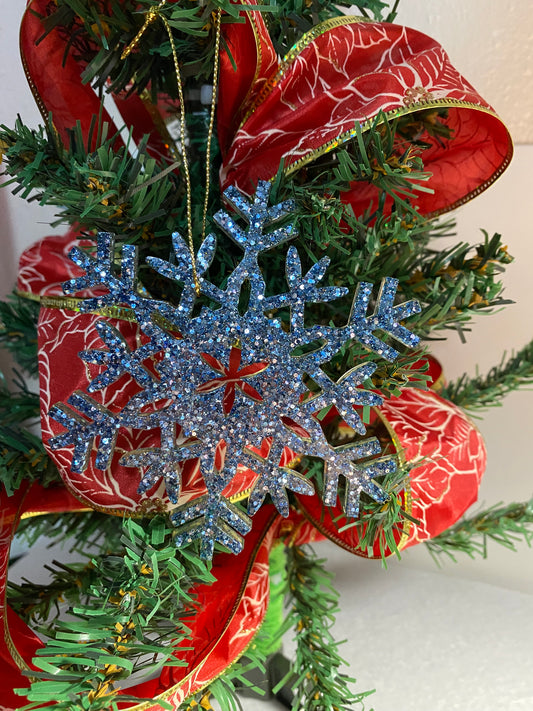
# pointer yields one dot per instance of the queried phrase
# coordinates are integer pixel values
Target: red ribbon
(343, 73)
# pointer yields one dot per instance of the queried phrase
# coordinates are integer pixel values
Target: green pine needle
(127, 610)
(505, 524)
(22, 454)
(484, 391)
(18, 331)
(317, 681)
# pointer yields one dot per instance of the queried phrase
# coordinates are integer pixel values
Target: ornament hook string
(151, 16)
(218, 19)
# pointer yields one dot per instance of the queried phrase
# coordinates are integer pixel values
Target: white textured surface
(429, 643)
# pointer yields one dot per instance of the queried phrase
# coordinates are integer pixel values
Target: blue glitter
(230, 381)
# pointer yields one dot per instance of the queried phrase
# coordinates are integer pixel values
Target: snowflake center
(232, 378)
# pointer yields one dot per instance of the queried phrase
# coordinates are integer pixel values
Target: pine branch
(484, 391)
(319, 685)
(128, 610)
(18, 331)
(86, 532)
(381, 156)
(96, 34)
(39, 604)
(19, 404)
(293, 18)
(105, 188)
(385, 523)
(139, 199)
(505, 524)
(455, 284)
(22, 454)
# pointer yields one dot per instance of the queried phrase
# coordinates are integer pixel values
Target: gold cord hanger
(151, 16)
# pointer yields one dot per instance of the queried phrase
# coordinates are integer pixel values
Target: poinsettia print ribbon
(342, 74)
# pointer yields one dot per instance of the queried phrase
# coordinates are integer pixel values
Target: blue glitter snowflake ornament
(234, 383)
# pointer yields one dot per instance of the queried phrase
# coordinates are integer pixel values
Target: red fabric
(27, 499)
(254, 58)
(346, 73)
(55, 81)
(227, 614)
(45, 265)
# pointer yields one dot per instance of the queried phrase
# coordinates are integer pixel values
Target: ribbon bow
(340, 75)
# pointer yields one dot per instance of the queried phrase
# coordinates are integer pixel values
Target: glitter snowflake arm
(275, 480)
(386, 318)
(254, 239)
(103, 425)
(259, 217)
(257, 212)
(303, 289)
(182, 271)
(362, 328)
(163, 462)
(358, 476)
(345, 394)
(211, 518)
(119, 359)
(100, 271)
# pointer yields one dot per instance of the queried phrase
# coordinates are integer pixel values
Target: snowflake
(233, 382)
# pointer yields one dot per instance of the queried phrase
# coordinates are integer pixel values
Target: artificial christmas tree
(218, 376)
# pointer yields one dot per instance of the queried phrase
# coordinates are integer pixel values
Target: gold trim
(318, 31)
(241, 495)
(71, 303)
(15, 654)
(403, 111)
(28, 295)
(439, 383)
(291, 55)
(408, 498)
(34, 514)
(37, 97)
(392, 114)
